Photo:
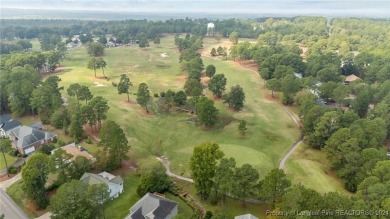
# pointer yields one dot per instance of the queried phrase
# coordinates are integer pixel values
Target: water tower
(210, 29)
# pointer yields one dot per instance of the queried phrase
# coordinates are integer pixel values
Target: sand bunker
(164, 55)
(97, 84)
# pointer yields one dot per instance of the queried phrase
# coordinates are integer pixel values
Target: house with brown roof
(350, 78)
(76, 151)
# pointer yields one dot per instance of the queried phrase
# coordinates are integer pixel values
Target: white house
(114, 183)
(153, 206)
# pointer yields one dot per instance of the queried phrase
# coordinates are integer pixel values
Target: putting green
(248, 155)
(242, 154)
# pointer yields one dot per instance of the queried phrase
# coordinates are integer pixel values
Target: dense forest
(305, 60)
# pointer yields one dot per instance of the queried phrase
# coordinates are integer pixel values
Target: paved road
(9, 208)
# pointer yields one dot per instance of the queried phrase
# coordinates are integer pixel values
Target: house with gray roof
(114, 183)
(27, 139)
(152, 206)
(7, 124)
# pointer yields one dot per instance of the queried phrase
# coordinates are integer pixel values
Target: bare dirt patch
(5, 177)
(248, 65)
(269, 97)
(146, 114)
(92, 132)
(127, 166)
(125, 102)
(204, 80)
(181, 78)
(32, 207)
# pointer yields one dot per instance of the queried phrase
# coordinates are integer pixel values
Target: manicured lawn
(311, 168)
(119, 207)
(10, 160)
(17, 194)
(270, 131)
(183, 209)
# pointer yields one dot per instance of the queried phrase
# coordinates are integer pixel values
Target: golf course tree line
(125, 32)
(24, 69)
(217, 177)
(67, 172)
(191, 64)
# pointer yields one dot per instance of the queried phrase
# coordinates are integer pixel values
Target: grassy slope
(311, 168)
(270, 131)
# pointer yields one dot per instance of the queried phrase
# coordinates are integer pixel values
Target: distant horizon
(247, 8)
(85, 14)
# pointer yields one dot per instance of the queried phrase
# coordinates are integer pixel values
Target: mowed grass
(270, 131)
(10, 160)
(119, 207)
(310, 168)
(17, 194)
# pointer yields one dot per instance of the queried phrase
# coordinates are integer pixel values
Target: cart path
(292, 116)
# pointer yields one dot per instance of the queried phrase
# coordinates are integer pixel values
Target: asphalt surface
(9, 208)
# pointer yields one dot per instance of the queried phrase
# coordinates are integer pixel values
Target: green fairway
(270, 131)
(311, 168)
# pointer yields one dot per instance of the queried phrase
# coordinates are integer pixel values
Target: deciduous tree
(224, 179)
(34, 175)
(207, 113)
(217, 84)
(210, 71)
(76, 199)
(203, 165)
(235, 98)
(233, 37)
(154, 180)
(95, 49)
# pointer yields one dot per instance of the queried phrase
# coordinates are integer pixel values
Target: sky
(321, 7)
